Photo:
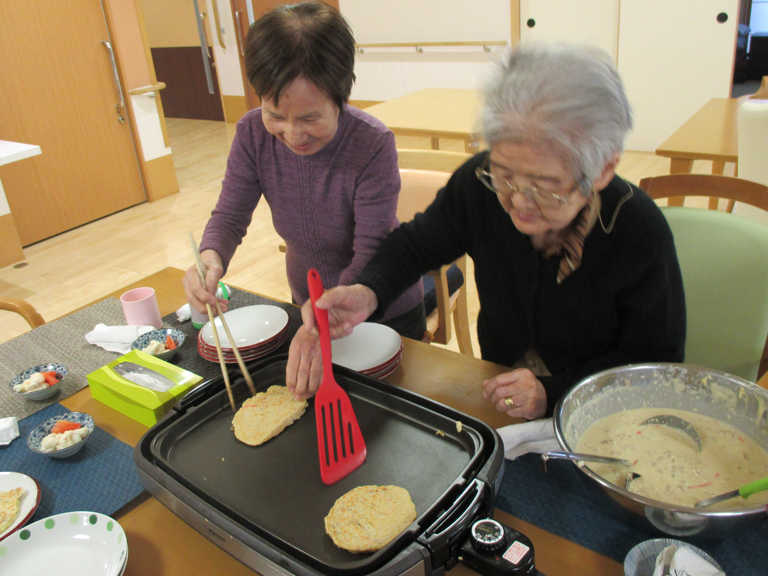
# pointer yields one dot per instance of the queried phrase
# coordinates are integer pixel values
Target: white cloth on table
(116, 338)
(535, 436)
(9, 430)
(681, 560)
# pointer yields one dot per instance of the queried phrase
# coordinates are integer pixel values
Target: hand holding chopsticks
(246, 374)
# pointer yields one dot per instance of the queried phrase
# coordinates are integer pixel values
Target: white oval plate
(68, 544)
(370, 345)
(29, 502)
(249, 325)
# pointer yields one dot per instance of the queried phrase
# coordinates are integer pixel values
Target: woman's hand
(523, 388)
(347, 307)
(197, 294)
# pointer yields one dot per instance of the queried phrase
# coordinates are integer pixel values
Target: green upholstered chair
(724, 262)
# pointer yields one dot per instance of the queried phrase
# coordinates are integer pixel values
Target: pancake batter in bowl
(671, 468)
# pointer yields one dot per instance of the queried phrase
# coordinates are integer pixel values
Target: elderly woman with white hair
(576, 269)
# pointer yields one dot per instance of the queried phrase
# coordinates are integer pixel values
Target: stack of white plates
(256, 330)
(372, 349)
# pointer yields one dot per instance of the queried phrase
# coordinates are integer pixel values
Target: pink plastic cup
(140, 308)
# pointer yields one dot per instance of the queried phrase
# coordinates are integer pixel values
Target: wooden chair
(422, 174)
(724, 262)
(762, 92)
(25, 309)
(714, 186)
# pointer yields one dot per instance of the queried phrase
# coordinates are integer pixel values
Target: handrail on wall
(147, 89)
(419, 46)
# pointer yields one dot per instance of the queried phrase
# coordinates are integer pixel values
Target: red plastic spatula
(339, 439)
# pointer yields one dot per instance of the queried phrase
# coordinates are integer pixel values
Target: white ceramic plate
(249, 325)
(370, 345)
(68, 544)
(29, 502)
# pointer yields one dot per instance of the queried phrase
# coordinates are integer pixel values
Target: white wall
(386, 73)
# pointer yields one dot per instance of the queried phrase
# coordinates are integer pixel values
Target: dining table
(434, 113)
(161, 543)
(712, 133)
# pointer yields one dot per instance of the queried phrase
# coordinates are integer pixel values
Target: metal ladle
(580, 457)
(676, 423)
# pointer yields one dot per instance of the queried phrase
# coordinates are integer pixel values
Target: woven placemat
(101, 477)
(61, 341)
(189, 359)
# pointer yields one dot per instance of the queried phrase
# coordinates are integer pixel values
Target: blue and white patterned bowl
(60, 370)
(36, 436)
(143, 341)
(641, 560)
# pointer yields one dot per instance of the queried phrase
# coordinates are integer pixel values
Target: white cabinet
(673, 55)
(592, 21)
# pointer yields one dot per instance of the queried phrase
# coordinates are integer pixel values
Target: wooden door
(245, 13)
(58, 90)
(595, 22)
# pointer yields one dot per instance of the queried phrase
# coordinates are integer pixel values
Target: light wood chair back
(437, 160)
(24, 308)
(714, 186)
(422, 174)
(762, 92)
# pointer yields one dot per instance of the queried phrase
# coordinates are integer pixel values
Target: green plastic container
(142, 404)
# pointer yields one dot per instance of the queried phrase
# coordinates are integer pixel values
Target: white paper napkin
(9, 430)
(184, 313)
(535, 436)
(116, 338)
(681, 560)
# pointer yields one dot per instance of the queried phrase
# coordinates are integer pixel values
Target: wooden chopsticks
(201, 270)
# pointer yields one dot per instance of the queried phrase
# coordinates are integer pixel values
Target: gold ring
(509, 403)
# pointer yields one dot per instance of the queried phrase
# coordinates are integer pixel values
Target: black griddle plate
(275, 491)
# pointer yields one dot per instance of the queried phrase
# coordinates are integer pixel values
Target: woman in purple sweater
(328, 171)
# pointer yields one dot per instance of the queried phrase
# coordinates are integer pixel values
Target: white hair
(567, 97)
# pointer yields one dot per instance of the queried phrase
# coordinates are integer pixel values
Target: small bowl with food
(162, 343)
(62, 435)
(40, 382)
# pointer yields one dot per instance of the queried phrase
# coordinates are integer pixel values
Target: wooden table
(160, 543)
(710, 134)
(435, 113)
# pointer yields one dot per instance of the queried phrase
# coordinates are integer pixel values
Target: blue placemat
(101, 477)
(564, 502)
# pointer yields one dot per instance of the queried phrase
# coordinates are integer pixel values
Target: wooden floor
(70, 270)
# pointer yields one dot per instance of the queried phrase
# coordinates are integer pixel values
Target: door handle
(108, 46)
(239, 27)
(219, 28)
(203, 47)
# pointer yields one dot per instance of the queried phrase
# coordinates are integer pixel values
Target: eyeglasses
(545, 199)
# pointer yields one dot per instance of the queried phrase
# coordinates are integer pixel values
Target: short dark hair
(311, 40)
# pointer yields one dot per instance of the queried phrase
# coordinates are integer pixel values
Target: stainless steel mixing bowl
(727, 398)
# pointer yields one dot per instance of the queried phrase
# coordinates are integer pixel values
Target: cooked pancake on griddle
(369, 517)
(266, 415)
(9, 507)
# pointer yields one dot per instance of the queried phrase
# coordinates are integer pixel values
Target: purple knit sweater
(332, 208)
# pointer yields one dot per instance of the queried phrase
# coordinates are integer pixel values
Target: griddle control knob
(487, 535)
